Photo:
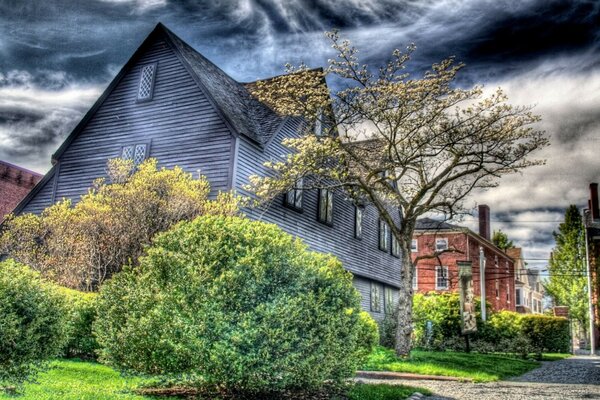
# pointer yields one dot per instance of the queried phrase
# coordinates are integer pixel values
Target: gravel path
(574, 378)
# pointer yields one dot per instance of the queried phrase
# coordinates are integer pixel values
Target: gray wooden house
(171, 103)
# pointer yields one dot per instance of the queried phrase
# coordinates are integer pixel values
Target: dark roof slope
(428, 224)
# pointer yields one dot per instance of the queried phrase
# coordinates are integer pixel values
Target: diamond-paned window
(140, 154)
(135, 152)
(127, 152)
(146, 87)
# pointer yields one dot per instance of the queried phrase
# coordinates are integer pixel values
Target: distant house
(15, 183)
(529, 292)
(591, 219)
(171, 103)
(454, 243)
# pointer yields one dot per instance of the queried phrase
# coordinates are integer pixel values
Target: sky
(57, 56)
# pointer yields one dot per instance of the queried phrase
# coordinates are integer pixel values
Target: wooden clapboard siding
(180, 123)
(40, 196)
(361, 257)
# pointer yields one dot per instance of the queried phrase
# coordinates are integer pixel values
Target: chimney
(594, 200)
(484, 221)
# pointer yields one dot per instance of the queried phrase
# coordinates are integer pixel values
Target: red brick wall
(458, 240)
(15, 183)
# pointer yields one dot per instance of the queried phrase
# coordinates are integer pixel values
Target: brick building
(15, 183)
(591, 219)
(456, 243)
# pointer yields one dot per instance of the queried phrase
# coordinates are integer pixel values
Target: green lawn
(479, 367)
(80, 380)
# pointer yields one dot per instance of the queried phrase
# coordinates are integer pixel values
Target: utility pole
(482, 281)
(589, 287)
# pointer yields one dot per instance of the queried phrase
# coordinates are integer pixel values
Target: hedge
(81, 314)
(32, 323)
(236, 304)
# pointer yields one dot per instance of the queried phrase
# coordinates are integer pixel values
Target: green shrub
(547, 334)
(236, 303)
(368, 335)
(501, 325)
(81, 313)
(31, 323)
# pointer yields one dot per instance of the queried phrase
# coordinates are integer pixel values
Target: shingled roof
(428, 224)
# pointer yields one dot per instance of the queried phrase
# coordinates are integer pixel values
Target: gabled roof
(242, 112)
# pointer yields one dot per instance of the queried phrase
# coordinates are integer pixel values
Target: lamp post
(482, 281)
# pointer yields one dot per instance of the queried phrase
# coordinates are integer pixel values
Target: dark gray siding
(361, 257)
(180, 123)
(43, 197)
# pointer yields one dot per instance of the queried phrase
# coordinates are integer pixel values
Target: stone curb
(416, 396)
(404, 375)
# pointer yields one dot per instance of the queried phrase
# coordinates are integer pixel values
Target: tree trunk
(404, 326)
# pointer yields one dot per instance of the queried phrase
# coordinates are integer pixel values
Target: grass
(383, 392)
(555, 356)
(79, 380)
(479, 367)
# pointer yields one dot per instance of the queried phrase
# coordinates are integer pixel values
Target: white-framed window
(293, 198)
(375, 297)
(146, 85)
(415, 278)
(137, 152)
(395, 247)
(497, 289)
(441, 278)
(518, 298)
(508, 293)
(496, 261)
(358, 221)
(384, 236)
(325, 210)
(441, 244)
(414, 245)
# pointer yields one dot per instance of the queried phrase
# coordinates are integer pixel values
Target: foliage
(414, 145)
(233, 303)
(501, 240)
(81, 313)
(79, 246)
(443, 312)
(368, 335)
(77, 380)
(31, 323)
(547, 334)
(479, 367)
(567, 284)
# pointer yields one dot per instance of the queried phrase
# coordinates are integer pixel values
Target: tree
(412, 146)
(80, 246)
(500, 239)
(567, 283)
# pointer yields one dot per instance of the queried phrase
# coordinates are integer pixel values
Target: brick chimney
(484, 221)
(594, 201)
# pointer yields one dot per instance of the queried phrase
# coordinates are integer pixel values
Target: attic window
(135, 152)
(146, 88)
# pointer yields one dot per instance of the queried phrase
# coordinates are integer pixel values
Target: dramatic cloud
(36, 114)
(56, 55)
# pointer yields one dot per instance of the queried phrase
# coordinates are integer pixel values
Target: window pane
(415, 278)
(358, 215)
(375, 297)
(127, 153)
(395, 246)
(329, 216)
(140, 154)
(441, 244)
(413, 245)
(146, 82)
(389, 300)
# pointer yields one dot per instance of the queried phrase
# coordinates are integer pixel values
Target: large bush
(31, 322)
(547, 334)
(81, 314)
(79, 246)
(234, 303)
